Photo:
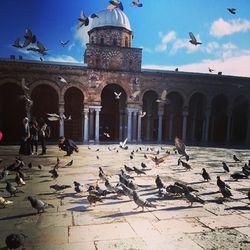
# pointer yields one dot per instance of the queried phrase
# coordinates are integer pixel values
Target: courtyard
(115, 223)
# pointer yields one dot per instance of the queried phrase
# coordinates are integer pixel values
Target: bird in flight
(117, 95)
(115, 4)
(163, 96)
(63, 43)
(193, 39)
(61, 80)
(210, 70)
(136, 3)
(232, 10)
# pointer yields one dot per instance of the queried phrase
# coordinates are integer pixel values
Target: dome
(116, 18)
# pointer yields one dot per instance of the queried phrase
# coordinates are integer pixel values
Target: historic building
(201, 108)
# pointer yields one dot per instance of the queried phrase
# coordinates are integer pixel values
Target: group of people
(33, 132)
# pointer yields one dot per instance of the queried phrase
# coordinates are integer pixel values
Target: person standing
(25, 148)
(44, 134)
(34, 136)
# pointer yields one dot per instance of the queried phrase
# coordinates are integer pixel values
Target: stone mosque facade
(201, 109)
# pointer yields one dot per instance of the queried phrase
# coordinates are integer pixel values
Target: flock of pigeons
(126, 186)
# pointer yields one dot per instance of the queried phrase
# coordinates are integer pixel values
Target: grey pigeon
(174, 189)
(141, 202)
(184, 186)
(159, 182)
(69, 164)
(192, 197)
(57, 187)
(11, 189)
(78, 187)
(181, 147)
(93, 199)
(225, 167)
(39, 205)
(205, 175)
(128, 169)
(236, 176)
(138, 171)
(193, 40)
(236, 159)
(222, 184)
(226, 192)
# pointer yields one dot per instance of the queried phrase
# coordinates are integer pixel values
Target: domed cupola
(111, 28)
(110, 41)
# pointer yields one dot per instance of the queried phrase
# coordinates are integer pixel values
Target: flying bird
(117, 95)
(83, 20)
(4, 202)
(181, 148)
(232, 10)
(29, 38)
(193, 39)
(41, 49)
(64, 44)
(24, 86)
(61, 80)
(210, 70)
(157, 161)
(27, 99)
(163, 96)
(142, 113)
(123, 144)
(115, 4)
(135, 95)
(136, 3)
(17, 44)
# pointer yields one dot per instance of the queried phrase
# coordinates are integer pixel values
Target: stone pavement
(115, 224)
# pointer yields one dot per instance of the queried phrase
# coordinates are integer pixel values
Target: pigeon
(131, 157)
(248, 195)
(123, 180)
(61, 80)
(159, 182)
(163, 97)
(39, 205)
(236, 176)
(205, 175)
(69, 164)
(19, 181)
(40, 166)
(184, 164)
(157, 161)
(14, 241)
(11, 189)
(30, 165)
(184, 186)
(78, 187)
(236, 159)
(54, 173)
(145, 156)
(17, 44)
(128, 192)
(193, 39)
(143, 165)
(41, 49)
(128, 169)
(29, 36)
(115, 4)
(24, 86)
(174, 189)
(109, 186)
(57, 187)
(83, 20)
(4, 202)
(142, 114)
(181, 148)
(135, 95)
(225, 167)
(136, 3)
(64, 43)
(132, 185)
(94, 15)
(27, 100)
(93, 199)
(126, 175)
(210, 70)
(41, 59)
(246, 171)
(225, 192)
(107, 135)
(141, 202)
(232, 10)
(222, 184)
(138, 171)
(192, 197)
(123, 144)
(117, 95)
(102, 175)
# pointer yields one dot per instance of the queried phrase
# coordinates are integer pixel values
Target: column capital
(130, 110)
(160, 113)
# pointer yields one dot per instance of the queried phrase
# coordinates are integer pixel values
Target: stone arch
(12, 110)
(181, 93)
(46, 100)
(77, 85)
(47, 82)
(219, 119)
(196, 116)
(113, 113)
(172, 118)
(73, 107)
(150, 121)
(239, 120)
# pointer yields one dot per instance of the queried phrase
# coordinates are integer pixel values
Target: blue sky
(160, 27)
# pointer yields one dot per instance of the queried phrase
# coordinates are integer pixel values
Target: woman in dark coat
(25, 148)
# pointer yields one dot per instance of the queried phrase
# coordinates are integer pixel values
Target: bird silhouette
(232, 10)
(193, 39)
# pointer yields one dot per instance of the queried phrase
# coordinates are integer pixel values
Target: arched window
(126, 41)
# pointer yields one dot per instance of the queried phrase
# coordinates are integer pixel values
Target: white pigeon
(135, 95)
(4, 202)
(117, 95)
(24, 86)
(163, 96)
(136, 3)
(142, 114)
(123, 144)
(62, 80)
(107, 135)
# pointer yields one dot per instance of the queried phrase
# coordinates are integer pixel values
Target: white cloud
(220, 27)
(63, 58)
(235, 65)
(165, 40)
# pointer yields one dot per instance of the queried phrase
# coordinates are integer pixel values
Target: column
(229, 121)
(184, 124)
(61, 121)
(134, 131)
(28, 108)
(159, 135)
(170, 132)
(193, 120)
(86, 126)
(139, 127)
(120, 125)
(97, 125)
(91, 124)
(129, 135)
